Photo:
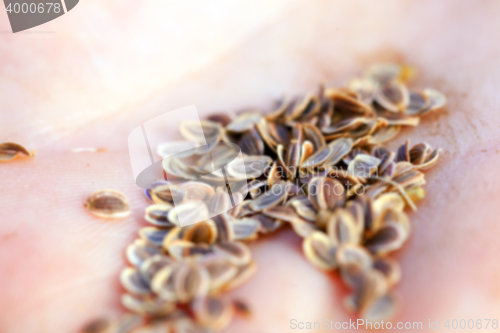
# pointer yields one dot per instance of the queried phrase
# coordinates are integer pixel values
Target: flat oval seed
(10, 150)
(153, 235)
(158, 215)
(244, 229)
(388, 238)
(152, 265)
(133, 282)
(234, 252)
(220, 271)
(383, 308)
(212, 312)
(101, 325)
(140, 251)
(272, 197)
(201, 233)
(191, 281)
(162, 283)
(320, 250)
(342, 227)
(147, 305)
(390, 268)
(108, 204)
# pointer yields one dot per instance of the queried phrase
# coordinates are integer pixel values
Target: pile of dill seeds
(323, 170)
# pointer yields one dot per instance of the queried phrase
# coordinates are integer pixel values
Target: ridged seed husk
(109, 204)
(158, 215)
(10, 150)
(342, 228)
(326, 193)
(212, 312)
(235, 253)
(152, 265)
(101, 325)
(147, 305)
(383, 308)
(153, 235)
(369, 288)
(220, 271)
(140, 251)
(133, 282)
(274, 196)
(320, 250)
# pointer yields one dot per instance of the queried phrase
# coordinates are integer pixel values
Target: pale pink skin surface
(111, 66)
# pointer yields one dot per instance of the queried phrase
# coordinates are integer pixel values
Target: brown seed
(304, 208)
(220, 118)
(181, 249)
(241, 308)
(348, 103)
(133, 282)
(383, 308)
(212, 312)
(10, 150)
(314, 135)
(140, 251)
(152, 265)
(393, 96)
(109, 204)
(220, 270)
(342, 227)
(437, 100)
(303, 228)
(201, 233)
(101, 325)
(244, 122)
(266, 224)
(146, 305)
(158, 215)
(162, 283)
(390, 268)
(191, 281)
(235, 253)
(388, 238)
(326, 193)
(320, 250)
(349, 254)
(244, 229)
(363, 166)
(153, 235)
(251, 143)
(370, 288)
(272, 197)
(164, 194)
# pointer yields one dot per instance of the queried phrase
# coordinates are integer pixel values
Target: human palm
(110, 66)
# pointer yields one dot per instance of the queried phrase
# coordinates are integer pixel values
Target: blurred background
(88, 78)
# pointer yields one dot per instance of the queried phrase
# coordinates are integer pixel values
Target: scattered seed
(10, 150)
(109, 204)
